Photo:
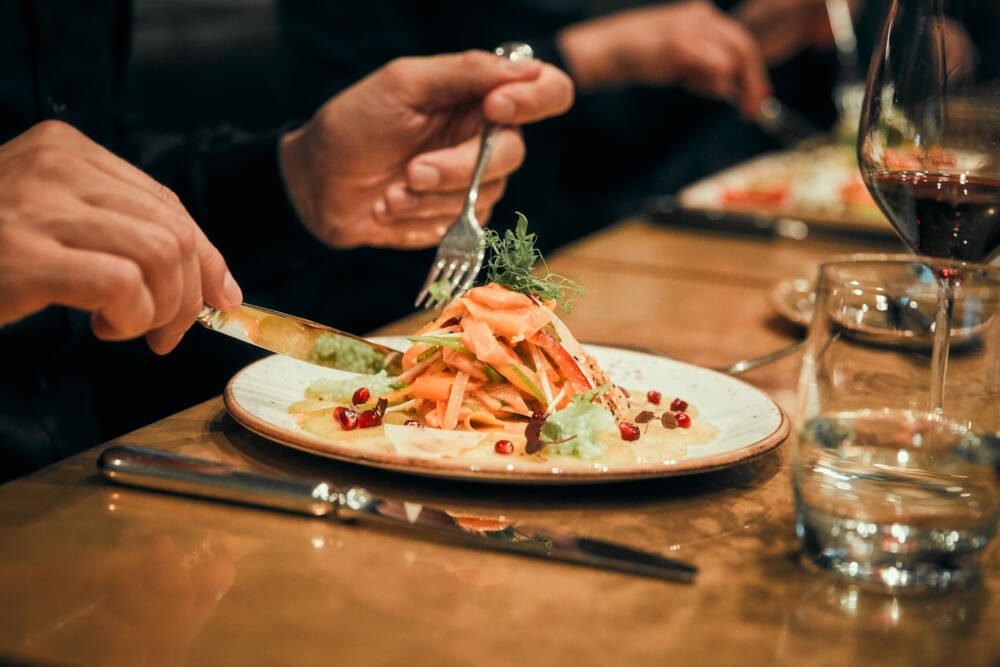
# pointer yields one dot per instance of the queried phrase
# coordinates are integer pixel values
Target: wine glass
(929, 140)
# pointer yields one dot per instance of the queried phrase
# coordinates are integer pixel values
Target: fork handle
(485, 150)
(512, 51)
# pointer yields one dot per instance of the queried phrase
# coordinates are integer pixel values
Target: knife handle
(135, 466)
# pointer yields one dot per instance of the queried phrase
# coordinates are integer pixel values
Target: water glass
(889, 489)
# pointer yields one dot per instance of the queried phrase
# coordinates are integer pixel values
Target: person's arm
(384, 163)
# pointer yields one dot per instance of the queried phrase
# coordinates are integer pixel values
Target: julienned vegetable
(499, 360)
(486, 364)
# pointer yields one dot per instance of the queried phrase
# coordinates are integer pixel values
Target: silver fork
(460, 253)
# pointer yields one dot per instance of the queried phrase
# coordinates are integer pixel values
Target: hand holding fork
(460, 253)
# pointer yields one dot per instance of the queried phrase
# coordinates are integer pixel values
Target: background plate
(750, 423)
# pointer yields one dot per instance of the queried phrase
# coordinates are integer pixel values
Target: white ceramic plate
(750, 423)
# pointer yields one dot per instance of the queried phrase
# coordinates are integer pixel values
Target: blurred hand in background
(783, 28)
(691, 44)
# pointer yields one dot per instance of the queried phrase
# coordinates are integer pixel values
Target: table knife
(303, 339)
(164, 471)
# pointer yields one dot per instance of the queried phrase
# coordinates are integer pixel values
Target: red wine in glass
(929, 141)
(942, 215)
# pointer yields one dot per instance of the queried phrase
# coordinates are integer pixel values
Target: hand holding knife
(164, 471)
(303, 339)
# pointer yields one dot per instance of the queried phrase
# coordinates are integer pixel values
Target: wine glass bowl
(929, 136)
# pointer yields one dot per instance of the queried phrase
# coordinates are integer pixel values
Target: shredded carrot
(433, 387)
(411, 355)
(495, 377)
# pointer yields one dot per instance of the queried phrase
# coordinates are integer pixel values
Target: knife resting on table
(164, 471)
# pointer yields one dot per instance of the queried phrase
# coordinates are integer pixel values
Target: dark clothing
(60, 389)
(590, 167)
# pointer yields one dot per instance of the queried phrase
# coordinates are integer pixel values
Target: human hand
(388, 161)
(691, 44)
(81, 227)
(783, 28)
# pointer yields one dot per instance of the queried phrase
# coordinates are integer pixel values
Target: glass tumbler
(890, 491)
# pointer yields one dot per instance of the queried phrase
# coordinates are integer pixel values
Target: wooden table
(97, 574)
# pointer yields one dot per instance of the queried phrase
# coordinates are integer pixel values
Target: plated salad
(498, 374)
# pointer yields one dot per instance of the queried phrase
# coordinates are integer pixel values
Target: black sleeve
(230, 182)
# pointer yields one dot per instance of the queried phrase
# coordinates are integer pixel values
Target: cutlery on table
(460, 253)
(164, 471)
(303, 339)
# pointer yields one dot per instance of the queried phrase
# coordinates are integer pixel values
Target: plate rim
(428, 467)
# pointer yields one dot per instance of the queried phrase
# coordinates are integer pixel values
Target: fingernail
(503, 107)
(424, 176)
(400, 198)
(379, 208)
(520, 66)
(232, 291)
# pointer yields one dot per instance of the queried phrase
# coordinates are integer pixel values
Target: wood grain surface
(96, 574)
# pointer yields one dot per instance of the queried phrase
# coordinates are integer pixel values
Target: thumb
(443, 81)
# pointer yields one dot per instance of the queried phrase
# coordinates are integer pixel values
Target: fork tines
(459, 272)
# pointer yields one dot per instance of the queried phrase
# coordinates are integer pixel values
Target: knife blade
(303, 339)
(164, 471)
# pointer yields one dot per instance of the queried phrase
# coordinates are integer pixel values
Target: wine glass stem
(942, 344)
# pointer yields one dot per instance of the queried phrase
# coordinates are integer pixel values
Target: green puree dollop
(584, 419)
(346, 354)
(341, 391)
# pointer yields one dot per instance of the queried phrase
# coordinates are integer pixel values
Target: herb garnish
(512, 261)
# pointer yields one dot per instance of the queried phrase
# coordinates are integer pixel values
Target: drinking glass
(888, 491)
(929, 138)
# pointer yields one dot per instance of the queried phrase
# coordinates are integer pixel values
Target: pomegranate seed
(348, 418)
(368, 419)
(413, 422)
(677, 405)
(539, 415)
(361, 396)
(653, 397)
(683, 420)
(504, 447)
(628, 431)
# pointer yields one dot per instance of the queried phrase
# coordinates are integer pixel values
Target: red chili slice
(564, 360)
